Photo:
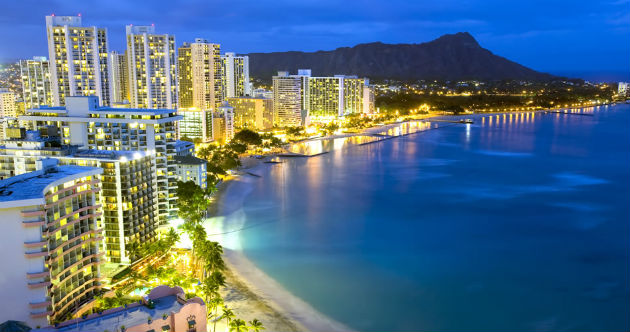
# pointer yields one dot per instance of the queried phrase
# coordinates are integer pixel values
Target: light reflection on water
(517, 222)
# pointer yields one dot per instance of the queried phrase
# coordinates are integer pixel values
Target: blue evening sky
(559, 36)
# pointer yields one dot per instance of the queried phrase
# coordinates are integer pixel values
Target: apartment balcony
(34, 254)
(36, 275)
(41, 284)
(35, 244)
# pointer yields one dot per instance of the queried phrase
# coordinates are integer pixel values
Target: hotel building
(49, 243)
(253, 113)
(235, 75)
(223, 123)
(152, 68)
(129, 195)
(118, 77)
(78, 59)
(287, 100)
(83, 122)
(172, 311)
(36, 88)
(8, 110)
(200, 76)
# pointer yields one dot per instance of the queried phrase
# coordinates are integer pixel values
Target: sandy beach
(249, 292)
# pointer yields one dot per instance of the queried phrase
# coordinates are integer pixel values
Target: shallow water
(514, 223)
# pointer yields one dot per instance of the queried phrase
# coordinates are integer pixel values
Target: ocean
(517, 222)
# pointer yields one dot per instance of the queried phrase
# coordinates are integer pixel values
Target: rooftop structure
(164, 309)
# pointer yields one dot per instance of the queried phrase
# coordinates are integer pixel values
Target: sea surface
(518, 222)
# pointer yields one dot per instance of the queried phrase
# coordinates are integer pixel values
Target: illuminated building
(250, 112)
(320, 98)
(83, 122)
(8, 110)
(78, 59)
(128, 197)
(223, 123)
(118, 79)
(235, 75)
(36, 89)
(200, 75)
(152, 68)
(193, 169)
(287, 100)
(195, 124)
(50, 242)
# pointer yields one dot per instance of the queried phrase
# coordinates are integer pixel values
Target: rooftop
(189, 160)
(34, 184)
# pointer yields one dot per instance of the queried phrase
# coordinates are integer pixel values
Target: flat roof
(189, 160)
(129, 317)
(32, 185)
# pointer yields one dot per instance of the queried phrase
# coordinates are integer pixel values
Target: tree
(247, 137)
(214, 304)
(255, 325)
(228, 314)
(238, 325)
(192, 201)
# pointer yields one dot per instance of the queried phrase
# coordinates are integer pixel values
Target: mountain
(450, 57)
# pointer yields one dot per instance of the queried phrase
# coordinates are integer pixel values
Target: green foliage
(247, 137)
(238, 325)
(192, 201)
(221, 158)
(255, 325)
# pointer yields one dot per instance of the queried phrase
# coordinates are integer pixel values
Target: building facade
(253, 113)
(200, 75)
(235, 75)
(152, 67)
(172, 311)
(84, 123)
(223, 123)
(195, 124)
(118, 77)
(193, 169)
(78, 59)
(36, 88)
(50, 239)
(287, 100)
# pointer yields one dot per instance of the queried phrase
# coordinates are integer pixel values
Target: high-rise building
(36, 89)
(321, 98)
(235, 75)
(50, 243)
(253, 113)
(287, 100)
(85, 123)
(223, 123)
(78, 59)
(152, 67)
(200, 75)
(195, 125)
(8, 106)
(623, 88)
(184, 76)
(8, 110)
(128, 197)
(118, 77)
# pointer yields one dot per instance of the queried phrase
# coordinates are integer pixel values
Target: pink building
(164, 309)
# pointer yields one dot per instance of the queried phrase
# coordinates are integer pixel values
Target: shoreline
(250, 292)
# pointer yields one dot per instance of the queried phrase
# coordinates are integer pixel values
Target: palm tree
(238, 325)
(228, 314)
(256, 325)
(214, 304)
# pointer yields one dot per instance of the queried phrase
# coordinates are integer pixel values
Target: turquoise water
(513, 223)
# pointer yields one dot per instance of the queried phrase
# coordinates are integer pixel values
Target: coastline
(249, 291)
(253, 294)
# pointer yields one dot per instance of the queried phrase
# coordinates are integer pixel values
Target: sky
(579, 37)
